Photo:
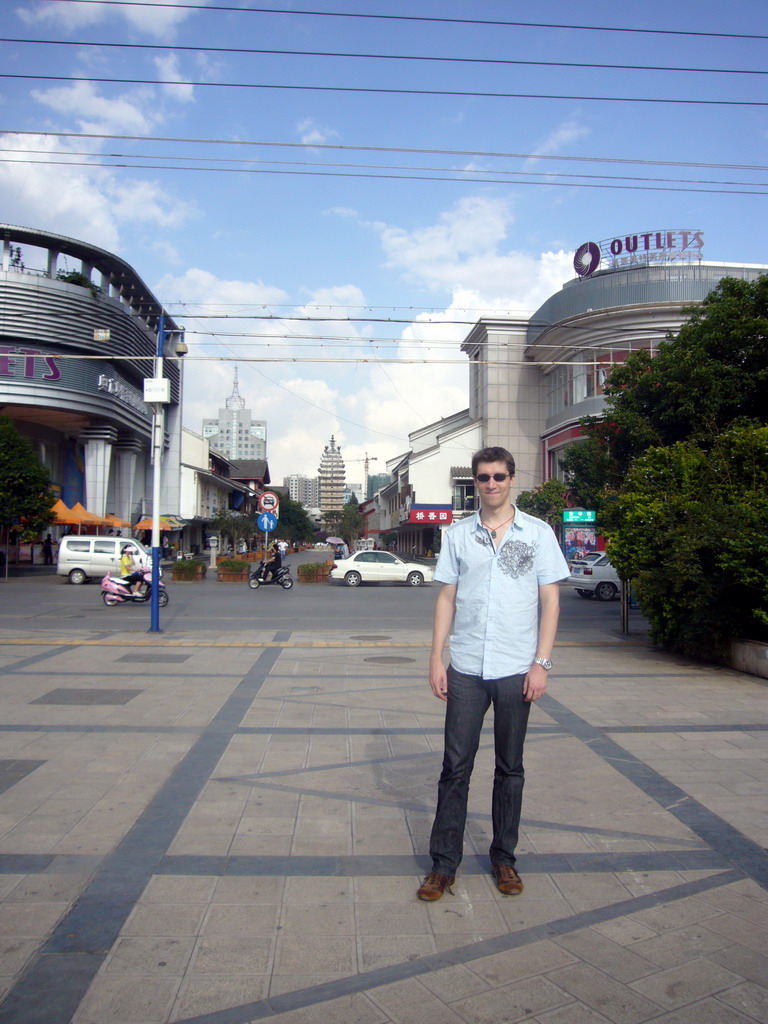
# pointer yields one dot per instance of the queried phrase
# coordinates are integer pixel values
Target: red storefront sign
(430, 516)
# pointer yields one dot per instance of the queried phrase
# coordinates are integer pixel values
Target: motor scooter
(282, 577)
(115, 590)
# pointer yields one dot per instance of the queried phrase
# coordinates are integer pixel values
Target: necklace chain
(492, 529)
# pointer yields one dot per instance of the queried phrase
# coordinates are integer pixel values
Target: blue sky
(247, 214)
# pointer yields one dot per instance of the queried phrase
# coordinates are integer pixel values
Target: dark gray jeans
(469, 697)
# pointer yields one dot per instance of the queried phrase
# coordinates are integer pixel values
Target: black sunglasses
(483, 478)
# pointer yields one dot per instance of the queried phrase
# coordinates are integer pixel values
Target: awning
(64, 515)
(167, 522)
(87, 518)
(116, 521)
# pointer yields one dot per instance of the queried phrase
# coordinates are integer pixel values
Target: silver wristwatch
(545, 663)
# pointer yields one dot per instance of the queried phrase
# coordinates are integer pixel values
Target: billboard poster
(579, 541)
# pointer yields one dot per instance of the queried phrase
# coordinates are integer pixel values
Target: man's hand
(535, 683)
(438, 679)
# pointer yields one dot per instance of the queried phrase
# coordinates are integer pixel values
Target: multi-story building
(303, 489)
(78, 338)
(206, 488)
(235, 433)
(533, 380)
(331, 476)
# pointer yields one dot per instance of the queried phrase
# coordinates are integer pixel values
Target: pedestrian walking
(48, 550)
(500, 603)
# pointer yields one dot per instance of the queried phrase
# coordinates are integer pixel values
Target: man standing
(500, 604)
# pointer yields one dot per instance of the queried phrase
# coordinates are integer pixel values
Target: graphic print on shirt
(516, 558)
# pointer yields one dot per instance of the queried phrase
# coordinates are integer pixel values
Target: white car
(595, 577)
(379, 567)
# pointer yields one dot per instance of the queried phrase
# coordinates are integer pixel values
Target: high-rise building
(303, 489)
(234, 433)
(331, 473)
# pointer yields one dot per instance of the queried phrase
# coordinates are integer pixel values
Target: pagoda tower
(332, 478)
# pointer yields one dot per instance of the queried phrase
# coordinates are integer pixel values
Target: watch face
(545, 663)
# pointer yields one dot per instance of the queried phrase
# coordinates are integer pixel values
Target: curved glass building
(78, 336)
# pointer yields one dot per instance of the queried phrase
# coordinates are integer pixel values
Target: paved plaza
(230, 826)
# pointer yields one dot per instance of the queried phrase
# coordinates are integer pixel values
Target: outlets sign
(681, 245)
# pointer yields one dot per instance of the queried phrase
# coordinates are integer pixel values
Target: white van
(83, 557)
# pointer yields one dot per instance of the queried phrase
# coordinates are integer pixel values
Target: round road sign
(269, 502)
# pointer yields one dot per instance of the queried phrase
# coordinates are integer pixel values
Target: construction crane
(368, 458)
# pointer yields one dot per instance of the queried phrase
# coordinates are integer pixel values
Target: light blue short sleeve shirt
(495, 629)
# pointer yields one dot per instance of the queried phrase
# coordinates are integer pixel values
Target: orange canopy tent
(87, 518)
(116, 521)
(64, 515)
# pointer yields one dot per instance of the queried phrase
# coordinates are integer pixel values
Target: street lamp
(157, 393)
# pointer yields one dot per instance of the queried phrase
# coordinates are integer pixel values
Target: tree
(235, 526)
(293, 522)
(691, 536)
(587, 468)
(679, 463)
(546, 501)
(352, 522)
(713, 371)
(25, 492)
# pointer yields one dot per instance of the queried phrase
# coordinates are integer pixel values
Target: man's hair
(493, 455)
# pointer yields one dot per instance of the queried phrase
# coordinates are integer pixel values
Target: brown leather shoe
(508, 882)
(435, 885)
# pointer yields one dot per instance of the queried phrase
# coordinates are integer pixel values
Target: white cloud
(98, 114)
(557, 140)
(82, 199)
(146, 202)
(467, 249)
(168, 71)
(157, 21)
(312, 134)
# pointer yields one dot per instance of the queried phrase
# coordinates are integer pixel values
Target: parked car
(379, 567)
(595, 577)
(590, 556)
(83, 557)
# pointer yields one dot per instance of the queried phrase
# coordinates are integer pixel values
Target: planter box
(226, 576)
(198, 576)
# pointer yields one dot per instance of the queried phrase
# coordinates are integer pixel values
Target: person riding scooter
(276, 563)
(131, 571)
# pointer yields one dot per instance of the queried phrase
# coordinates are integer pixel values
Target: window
(463, 495)
(104, 547)
(79, 545)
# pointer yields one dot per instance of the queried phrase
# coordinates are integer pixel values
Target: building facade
(78, 338)
(235, 433)
(531, 381)
(303, 489)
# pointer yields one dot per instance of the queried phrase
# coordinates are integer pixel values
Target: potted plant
(187, 570)
(231, 570)
(314, 572)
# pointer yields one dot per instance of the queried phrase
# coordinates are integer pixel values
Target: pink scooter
(115, 590)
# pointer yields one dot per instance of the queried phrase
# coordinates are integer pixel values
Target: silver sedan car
(379, 567)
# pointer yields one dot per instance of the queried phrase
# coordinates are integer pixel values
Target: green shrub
(232, 565)
(188, 569)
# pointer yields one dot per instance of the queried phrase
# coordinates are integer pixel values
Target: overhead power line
(420, 18)
(373, 90)
(460, 173)
(388, 149)
(507, 62)
(455, 177)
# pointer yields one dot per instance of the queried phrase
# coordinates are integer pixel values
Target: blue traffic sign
(267, 522)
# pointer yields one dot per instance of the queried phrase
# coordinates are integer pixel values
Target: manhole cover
(389, 660)
(366, 636)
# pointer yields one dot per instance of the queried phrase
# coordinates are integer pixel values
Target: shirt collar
(479, 528)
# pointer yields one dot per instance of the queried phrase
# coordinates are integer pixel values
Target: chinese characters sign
(429, 516)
